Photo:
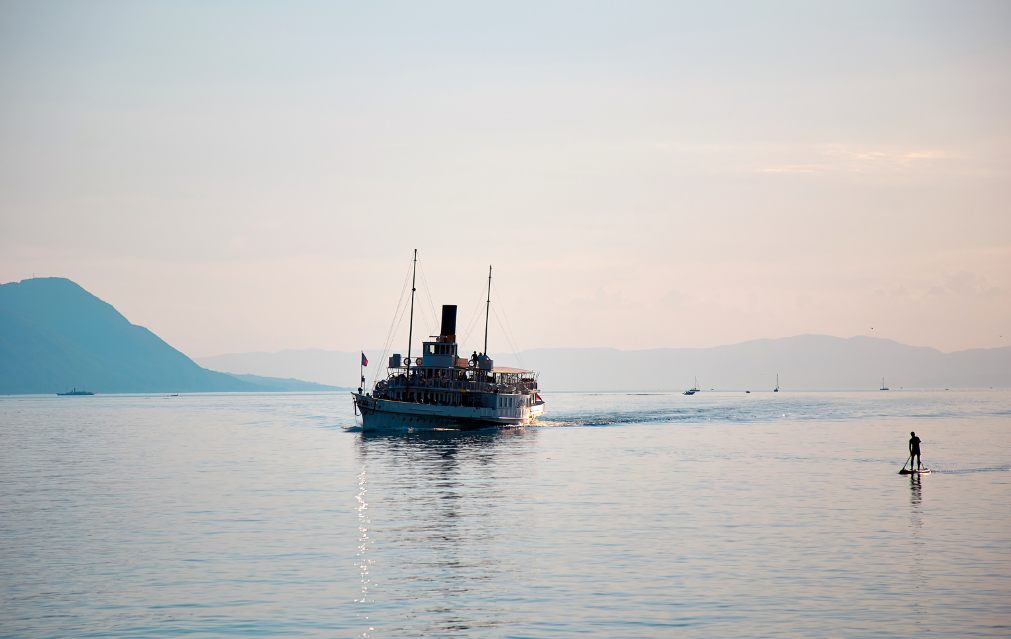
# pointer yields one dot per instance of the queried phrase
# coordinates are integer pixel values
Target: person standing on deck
(914, 450)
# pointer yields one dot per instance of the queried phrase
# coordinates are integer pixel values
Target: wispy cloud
(675, 299)
(601, 300)
(840, 159)
(966, 286)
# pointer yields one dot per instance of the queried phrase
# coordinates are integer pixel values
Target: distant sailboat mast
(777, 384)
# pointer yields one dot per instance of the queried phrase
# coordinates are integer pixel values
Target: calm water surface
(622, 515)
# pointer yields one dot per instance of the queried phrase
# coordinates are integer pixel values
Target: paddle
(904, 471)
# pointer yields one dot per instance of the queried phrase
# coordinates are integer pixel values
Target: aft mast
(410, 330)
(487, 308)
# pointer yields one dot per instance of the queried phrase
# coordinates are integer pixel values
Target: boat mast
(486, 309)
(410, 330)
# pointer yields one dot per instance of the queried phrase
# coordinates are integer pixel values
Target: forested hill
(54, 336)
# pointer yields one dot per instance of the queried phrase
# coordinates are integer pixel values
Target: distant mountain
(54, 336)
(336, 368)
(289, 384)
(804, 362)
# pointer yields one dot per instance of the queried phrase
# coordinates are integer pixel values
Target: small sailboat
(883, 387)
(693, 389)
(776, 390)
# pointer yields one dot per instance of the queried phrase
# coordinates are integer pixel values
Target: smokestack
(449, 322)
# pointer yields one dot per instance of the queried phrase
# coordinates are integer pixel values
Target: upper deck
(440, 362)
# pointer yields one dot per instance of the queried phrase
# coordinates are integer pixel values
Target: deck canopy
(507, 375)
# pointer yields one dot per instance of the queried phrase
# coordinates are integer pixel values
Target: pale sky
(243, 176)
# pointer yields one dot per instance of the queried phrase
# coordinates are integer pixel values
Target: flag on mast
(365, 361)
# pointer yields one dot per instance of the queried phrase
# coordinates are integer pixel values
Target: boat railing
(471, 386)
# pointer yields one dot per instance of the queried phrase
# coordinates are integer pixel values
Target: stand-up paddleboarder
(914, 450)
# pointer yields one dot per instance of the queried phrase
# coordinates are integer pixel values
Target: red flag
(365, 361)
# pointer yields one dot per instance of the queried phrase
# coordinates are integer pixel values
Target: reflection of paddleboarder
(914, 450)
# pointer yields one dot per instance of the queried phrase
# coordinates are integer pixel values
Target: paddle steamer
(442, 390)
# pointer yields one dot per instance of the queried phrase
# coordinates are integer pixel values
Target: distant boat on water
(76, 392)
(693, 389)
(883, 387)
(776, 390)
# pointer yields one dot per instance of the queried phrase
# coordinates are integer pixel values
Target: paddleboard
(922, 471)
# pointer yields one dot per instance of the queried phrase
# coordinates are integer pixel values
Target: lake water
(622, 515)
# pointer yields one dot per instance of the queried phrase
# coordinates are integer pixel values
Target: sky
(253, 176)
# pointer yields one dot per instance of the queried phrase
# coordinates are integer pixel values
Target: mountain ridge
(55, 335)
(804, 362)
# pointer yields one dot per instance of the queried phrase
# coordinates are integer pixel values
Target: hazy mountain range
(804, 362)
(54, 336)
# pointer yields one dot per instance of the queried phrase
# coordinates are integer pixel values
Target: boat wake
(967, 471)
(616, 418)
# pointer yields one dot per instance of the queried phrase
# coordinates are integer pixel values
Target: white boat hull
(391, 415)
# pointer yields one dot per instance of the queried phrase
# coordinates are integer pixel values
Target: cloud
(675, 299)
(968, 286)
(601, 301)
(896, 292)
(841, 159)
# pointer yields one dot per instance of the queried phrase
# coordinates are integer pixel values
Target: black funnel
(448, 319)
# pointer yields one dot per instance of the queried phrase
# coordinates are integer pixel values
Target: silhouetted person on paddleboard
(914, 450)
